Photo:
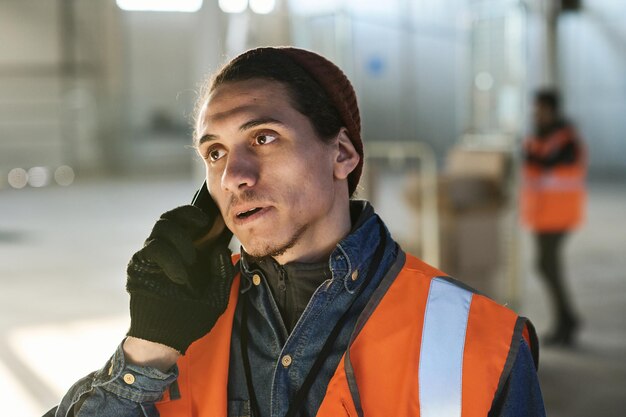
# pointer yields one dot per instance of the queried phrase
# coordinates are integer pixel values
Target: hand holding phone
(179, 282)
(203, 200)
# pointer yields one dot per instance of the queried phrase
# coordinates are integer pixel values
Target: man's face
(544, 115)
(270, 174)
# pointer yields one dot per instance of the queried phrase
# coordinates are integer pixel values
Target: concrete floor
(589, 380)
(63, 307)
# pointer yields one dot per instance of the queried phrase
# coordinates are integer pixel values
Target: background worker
(324, 314)
(553, 196)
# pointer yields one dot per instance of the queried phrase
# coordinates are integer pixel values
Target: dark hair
(306, 94)
(549, 98)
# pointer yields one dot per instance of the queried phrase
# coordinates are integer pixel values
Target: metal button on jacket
(355, 275)
(286, 360)
(256, 279)
(129, 379)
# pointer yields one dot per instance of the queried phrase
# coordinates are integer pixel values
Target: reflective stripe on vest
(443, 342)
(552, 182)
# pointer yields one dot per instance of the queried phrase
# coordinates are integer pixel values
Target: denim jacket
(121, 389)
(275, 384)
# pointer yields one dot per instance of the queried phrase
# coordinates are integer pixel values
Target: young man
(323, 314)
(553, 200)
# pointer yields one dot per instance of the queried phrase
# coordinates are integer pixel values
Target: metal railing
(422, 156)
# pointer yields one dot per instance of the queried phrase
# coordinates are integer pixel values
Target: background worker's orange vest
(553, 199)
(381, 373)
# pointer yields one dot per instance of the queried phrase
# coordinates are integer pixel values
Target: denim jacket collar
(349, 261)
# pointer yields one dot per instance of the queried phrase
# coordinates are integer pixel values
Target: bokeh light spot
(18, 178)
(38, 176)
(64, 175)
(483, 81)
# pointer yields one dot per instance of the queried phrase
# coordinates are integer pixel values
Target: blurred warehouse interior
(98, 97)
(105, 90)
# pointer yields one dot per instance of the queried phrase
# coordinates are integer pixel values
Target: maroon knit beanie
(336, 86)
(341, 93)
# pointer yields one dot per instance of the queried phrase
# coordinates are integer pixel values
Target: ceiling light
(160, 5)
(262, 6)
(233, 6)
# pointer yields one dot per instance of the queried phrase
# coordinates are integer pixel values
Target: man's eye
(264, 139)
(215, 154)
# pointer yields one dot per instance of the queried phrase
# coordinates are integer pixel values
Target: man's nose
(241, 170)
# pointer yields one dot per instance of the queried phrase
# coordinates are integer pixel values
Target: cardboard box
(489, 165)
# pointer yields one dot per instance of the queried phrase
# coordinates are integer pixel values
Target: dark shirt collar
(306, 270)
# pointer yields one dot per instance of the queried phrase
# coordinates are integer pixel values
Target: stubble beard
(275, 250)
(272, 249)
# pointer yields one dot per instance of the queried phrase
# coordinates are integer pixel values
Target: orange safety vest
(423, 346)
(553, 199)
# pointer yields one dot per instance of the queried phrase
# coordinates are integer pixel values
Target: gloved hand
(179, 289)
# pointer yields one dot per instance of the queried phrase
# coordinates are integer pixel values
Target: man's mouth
(246, 214)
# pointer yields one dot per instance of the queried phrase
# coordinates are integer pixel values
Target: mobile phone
(203, 200)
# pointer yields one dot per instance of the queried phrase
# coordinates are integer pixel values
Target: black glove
(179, 289)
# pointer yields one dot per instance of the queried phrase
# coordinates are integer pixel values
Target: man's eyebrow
(206, 138)
(261, 121)
(247, 125)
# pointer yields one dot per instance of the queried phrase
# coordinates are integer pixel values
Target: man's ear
(347, 158)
